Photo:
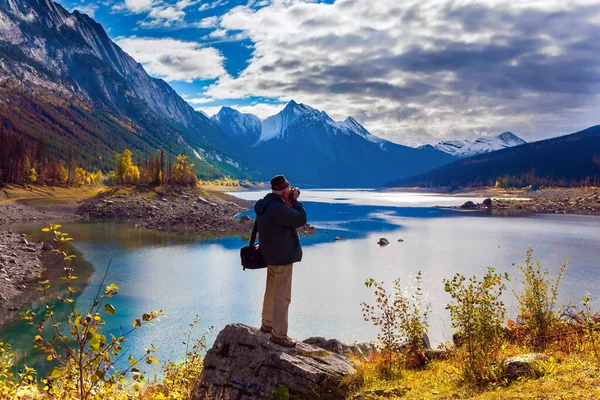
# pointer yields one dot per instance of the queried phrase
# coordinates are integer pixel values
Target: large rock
(361, 351)
(524, 365)
(383, 242)
(469, 205)
(244, 364)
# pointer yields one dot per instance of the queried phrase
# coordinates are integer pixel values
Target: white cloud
(262, 110)
(209, 111)
(416, 71)
(210, 5)
(209, 22)
(218, 33)
(89, 9)
(159, 12)
(174, 60)
(164, 16)
(139, 6)
(198, 100)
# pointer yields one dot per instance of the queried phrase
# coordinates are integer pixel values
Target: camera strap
(255, 229)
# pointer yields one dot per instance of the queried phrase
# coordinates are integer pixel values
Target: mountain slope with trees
(64, 82)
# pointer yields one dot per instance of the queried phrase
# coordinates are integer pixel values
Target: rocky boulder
(244, 364)
(361, 351)
(469, 205)
(383, 242)
(524, 365)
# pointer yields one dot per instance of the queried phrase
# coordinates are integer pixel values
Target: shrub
(537, 300)
(402, 320)
(478, 313)
(179, 378)
(12, 379)
(590, 322)
(85, 357)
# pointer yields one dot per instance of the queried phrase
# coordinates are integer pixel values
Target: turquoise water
(189, 275)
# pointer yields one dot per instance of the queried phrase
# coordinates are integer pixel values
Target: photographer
(278, 215)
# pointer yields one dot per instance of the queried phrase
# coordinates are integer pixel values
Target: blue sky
(411, 71)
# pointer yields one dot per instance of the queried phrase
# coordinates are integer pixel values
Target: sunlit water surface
(189, 275)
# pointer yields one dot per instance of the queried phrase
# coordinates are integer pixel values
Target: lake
(185, 275)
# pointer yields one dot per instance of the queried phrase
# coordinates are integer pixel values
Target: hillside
(569, 160)
(64, 81)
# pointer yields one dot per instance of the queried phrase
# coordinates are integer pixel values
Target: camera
(294, 193)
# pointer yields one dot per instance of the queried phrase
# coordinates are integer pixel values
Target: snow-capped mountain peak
(237, 124)
(278, 124)
(353, 126)
(467, 148)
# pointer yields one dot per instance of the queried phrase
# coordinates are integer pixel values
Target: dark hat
(279, 182)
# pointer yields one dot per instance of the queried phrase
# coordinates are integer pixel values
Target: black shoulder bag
(251, 258)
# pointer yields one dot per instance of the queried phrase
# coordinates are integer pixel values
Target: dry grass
(46, 195)
(574, 376)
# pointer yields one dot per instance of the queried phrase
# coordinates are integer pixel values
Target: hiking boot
(285, 342)
(266, 329)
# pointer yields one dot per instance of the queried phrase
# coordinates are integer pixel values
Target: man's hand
(295, 194)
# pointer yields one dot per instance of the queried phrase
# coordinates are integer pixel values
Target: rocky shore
(20, 262)
(555, 201)
(174, 209)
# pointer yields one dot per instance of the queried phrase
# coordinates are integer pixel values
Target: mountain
(312, 149)
(64, 80)
(466, 148)
(563, 161)
(245, 128)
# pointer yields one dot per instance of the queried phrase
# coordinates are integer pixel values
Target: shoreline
(20, 264)
(176, 210)
(577, 201)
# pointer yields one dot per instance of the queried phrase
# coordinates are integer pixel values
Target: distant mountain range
(563, 161)
(466, 148)
(312, 149)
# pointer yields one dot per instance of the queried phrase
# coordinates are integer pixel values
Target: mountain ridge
(568, 160)
(467, 148)
(314, 143)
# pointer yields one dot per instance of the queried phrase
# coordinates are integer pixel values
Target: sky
(411, 71)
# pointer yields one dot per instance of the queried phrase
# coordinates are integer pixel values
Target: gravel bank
(173, 209)
(584, 201)
(20, 262)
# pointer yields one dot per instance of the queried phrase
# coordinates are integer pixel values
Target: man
(278, 214)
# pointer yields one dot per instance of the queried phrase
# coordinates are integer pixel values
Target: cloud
(209, 111)
(261, 110)
(210, 5)
(209, 22)
(198, 100)
(174, 60)
(417, 71)
(163, 16)
(218, 33)
(158, 12)
(89, 9)
(138, 6)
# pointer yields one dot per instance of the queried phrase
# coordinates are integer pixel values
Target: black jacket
(277, 223)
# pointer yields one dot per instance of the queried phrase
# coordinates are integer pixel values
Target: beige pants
(278, 297)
